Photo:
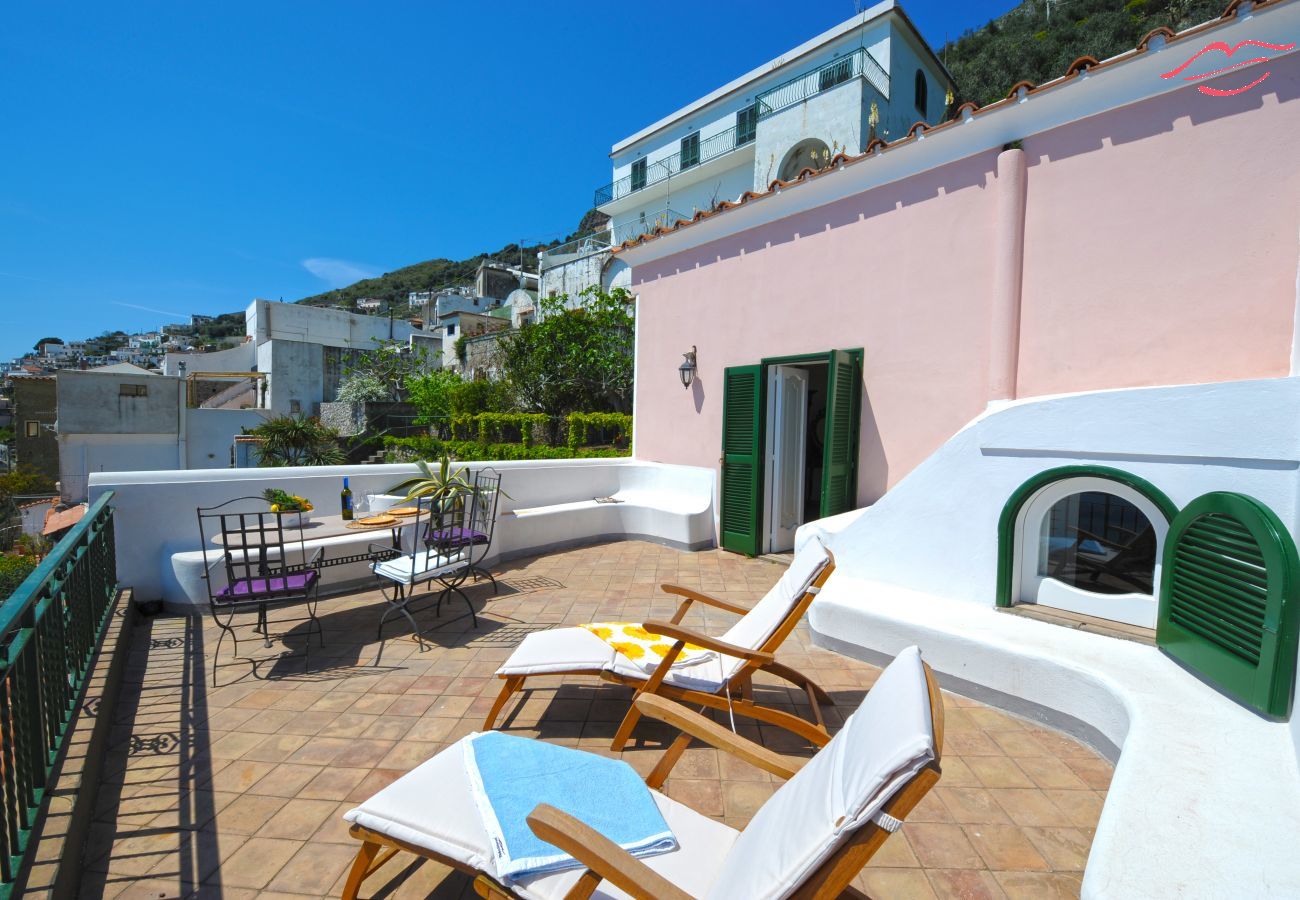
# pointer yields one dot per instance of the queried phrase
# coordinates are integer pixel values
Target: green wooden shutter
(742, 457)
(1228, 608)
(839, 466)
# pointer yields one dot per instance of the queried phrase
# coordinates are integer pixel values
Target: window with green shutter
(1228, 608)
(742, 462)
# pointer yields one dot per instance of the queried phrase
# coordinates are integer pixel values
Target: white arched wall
(920, 567)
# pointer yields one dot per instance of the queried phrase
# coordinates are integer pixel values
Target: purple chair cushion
(251, 588)
(455, 536)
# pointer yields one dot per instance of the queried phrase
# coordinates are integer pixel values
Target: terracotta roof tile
(57, 521)
(962, 113)
(1082, 64)
(1162, 31)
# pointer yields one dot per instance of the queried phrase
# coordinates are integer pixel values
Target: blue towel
(510, 775)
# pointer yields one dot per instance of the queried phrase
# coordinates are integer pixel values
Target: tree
(47, 340)
(432, 395)
(363, 387)
(573, 359)
(297, 441)
(392, 364)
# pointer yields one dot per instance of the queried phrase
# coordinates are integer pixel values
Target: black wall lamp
(686, 371)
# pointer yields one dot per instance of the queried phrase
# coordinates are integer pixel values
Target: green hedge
(398, 449)
(612, 428)
(13, 571)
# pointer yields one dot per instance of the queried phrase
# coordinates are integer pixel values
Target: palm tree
(297, 441)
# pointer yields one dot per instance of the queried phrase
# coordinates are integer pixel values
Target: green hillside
(1038, 40)
(439, 273)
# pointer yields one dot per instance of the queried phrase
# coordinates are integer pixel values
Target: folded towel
(645, 648)
(509, 776)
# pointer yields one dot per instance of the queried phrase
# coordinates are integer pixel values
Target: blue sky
(162, 159)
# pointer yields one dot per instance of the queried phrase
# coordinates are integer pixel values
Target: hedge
(399, 449)
(13, 572)
(582, 424)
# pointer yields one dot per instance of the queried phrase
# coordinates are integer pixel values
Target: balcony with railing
(858, 64)
(603, 240)
(695, 152)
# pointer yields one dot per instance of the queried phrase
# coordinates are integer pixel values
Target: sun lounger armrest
(601, 855)
(692, 596)
(681, 633)
(705, 729)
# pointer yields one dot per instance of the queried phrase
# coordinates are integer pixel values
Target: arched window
(809, 154)
(922, 93)
(1087, 540)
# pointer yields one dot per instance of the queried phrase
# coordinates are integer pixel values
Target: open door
(742, 463)
(844, 399)
(787, 426)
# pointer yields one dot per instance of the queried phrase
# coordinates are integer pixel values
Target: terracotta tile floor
(238, 791)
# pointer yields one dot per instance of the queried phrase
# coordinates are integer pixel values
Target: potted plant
(441, 489)
(293, 510)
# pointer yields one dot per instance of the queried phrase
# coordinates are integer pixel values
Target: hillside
(1037, 41)
(438, 273)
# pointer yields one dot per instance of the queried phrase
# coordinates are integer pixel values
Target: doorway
(796, 411)
(789, 447)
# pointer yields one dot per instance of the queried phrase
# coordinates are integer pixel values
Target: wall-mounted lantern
(686, 371)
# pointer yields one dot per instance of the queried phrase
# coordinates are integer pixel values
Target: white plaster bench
(671, 505)
(1205, 799)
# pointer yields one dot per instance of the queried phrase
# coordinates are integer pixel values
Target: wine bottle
(345, 501)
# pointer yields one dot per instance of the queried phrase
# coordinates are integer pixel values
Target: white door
(787, 421)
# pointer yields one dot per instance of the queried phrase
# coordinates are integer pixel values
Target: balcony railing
(581, 246)
(603, 240)
(859, 63)
(662, 169)
(49, 630)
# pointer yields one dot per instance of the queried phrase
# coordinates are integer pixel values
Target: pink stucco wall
(1161, 242)
(1160, 247)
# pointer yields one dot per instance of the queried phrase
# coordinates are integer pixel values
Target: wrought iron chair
(256, 560)
(477, 524)
(434, 558)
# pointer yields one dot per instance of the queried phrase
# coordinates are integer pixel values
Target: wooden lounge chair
(723, 683)
(809, 840)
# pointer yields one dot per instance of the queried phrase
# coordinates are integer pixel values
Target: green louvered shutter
(1228, 605)
(839, 466)
(742, 457)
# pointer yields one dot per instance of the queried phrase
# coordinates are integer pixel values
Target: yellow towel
(643, 647)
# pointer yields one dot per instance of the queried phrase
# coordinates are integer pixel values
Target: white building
(306, 350)
(872, 76)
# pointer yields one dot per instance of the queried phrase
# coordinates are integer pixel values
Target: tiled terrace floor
(238, 791)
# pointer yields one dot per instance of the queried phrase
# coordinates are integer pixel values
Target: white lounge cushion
(425, 565)
(431, 807)
(576, 649)
(757, 625)
(887, 741)
(559, 650)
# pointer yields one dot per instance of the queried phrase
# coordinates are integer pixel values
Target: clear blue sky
(162, 159)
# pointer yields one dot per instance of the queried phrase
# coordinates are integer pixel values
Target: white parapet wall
(1205, 800)
(550, 504)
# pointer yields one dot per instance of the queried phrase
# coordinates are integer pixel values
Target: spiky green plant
(297, 441)
(440, 488)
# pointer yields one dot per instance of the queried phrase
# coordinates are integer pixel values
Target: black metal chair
(257, 562)
(476, 524)
(434, 558)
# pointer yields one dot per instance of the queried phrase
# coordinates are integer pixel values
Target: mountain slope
(1038, 40)
(439, 273)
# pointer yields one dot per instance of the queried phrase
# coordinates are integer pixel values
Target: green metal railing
(50, 629)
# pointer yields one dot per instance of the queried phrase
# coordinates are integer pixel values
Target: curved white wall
(1206, 795)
